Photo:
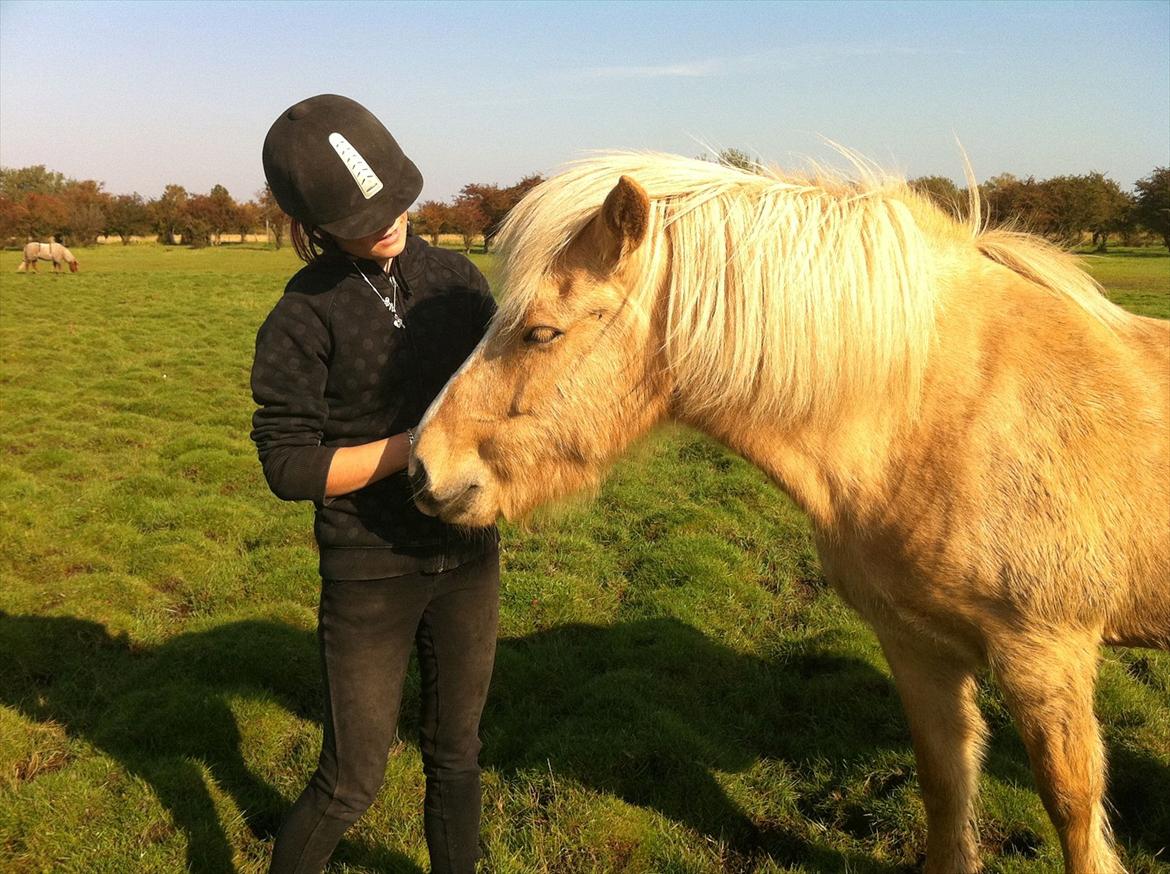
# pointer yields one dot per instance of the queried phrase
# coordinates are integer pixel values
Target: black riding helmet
(332, 165)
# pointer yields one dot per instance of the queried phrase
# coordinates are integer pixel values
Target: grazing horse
(54, 252)
(979, 437)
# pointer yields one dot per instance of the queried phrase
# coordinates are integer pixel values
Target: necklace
(391, 303)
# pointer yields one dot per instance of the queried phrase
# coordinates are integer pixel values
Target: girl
(364, 337)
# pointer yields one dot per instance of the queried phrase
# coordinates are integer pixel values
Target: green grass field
(676, 690)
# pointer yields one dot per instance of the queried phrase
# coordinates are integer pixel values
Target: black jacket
(332, 370)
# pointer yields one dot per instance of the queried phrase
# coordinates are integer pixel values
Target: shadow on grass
(643, 710)
(163, 714)
(647, 711)
(650, 710)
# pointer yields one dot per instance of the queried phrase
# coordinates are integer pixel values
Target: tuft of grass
(675, 691)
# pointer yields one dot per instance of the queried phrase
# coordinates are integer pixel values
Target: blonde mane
(791, 294)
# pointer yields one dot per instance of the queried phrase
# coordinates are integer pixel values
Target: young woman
(363, 338)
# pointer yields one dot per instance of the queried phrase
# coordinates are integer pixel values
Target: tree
(1047, 207)
(467, 219)
(1152, 206)
(13, 220)
(489, 200)
(495, 203)
(1004, 196)
(942, 191)
(733, 157)
(430, 219)
(512, 195)
(219, 212)
(1065, 209)
(127, 216)
(15, 182)
(85, 205)
(198, 222)
(169, 212)
(45, 216)
(275, 221)
(1109, 209)
(247, 219)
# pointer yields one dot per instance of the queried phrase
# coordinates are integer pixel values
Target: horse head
(568, 375)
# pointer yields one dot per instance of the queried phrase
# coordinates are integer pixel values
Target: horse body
(55, 252)
(1006, 524)
(981, 441)
(1046, 429)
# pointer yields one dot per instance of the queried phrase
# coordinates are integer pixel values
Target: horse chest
(893, 591)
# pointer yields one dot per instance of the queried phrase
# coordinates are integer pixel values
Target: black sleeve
(289, 375)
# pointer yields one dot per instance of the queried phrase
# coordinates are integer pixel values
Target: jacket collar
(412, 261)
(409, 265)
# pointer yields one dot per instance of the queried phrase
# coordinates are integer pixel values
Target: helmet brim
(383, 208)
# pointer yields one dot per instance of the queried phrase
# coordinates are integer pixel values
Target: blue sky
(142, 94)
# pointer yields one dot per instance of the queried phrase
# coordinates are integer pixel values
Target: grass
(1137, 279)
(675, 690)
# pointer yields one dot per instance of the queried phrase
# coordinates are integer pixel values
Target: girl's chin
(390, 250)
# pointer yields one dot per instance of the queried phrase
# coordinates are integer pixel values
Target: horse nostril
(419, 481)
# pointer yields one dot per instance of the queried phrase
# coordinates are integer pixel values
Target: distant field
(676, 690)
(1137, 279)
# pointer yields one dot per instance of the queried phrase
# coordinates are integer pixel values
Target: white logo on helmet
(365, 178)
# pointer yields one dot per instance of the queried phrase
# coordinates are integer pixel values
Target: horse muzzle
(458, 503)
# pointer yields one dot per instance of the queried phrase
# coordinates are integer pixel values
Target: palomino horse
(54, 252)
(980, 438)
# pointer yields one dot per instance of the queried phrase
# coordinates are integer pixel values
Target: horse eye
(540, 335)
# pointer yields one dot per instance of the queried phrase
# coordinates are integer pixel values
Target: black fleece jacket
(332, 370)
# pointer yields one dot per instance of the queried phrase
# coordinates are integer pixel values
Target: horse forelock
(791, 293)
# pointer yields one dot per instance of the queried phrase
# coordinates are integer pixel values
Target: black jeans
(366, 629)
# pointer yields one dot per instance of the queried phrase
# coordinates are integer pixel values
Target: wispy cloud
(687, 70)
(518, 93)
(786, 58)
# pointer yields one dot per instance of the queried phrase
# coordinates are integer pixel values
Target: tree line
(36, 204)
(1066, 209)
(1063, 209)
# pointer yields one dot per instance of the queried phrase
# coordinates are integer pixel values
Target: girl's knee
(451, 755)
(348, 796)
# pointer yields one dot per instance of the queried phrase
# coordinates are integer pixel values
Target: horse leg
(1048, 684)
(938, 695)
(23, 267)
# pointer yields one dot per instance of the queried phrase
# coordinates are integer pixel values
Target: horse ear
(626, 214)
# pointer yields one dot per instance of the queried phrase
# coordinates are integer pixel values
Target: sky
(140, 95)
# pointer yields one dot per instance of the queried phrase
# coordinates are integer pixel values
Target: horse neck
(837, 469)
(846, 466)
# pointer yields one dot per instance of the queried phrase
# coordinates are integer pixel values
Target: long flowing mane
(791, 293)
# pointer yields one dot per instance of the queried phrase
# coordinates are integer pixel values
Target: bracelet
(411, 437)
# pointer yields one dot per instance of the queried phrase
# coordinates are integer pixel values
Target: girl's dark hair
(310, 243)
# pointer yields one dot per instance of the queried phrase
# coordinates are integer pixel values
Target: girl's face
(379, 246)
